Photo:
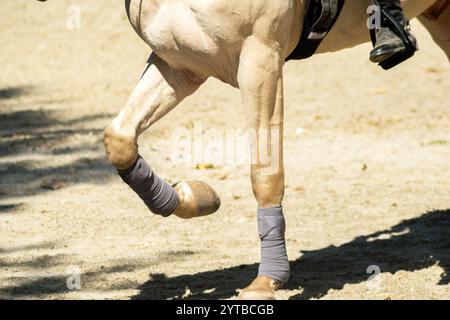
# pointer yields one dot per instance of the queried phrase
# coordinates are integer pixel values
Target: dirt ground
(367, 162)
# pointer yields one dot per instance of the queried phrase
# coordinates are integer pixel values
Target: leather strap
(320, 17)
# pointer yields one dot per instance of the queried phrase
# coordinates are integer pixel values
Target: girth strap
(322, 25)
(320, 17)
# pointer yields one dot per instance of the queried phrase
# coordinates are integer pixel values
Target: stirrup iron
(403, 34)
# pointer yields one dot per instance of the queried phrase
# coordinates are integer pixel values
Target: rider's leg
(388, 43)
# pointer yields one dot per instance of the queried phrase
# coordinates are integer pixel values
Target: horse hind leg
(439, 27)
(159, 91)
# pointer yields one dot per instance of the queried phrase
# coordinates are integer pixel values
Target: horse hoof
(262, 288)
(197, 199)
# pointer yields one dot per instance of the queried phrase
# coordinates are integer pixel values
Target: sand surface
(367, 163)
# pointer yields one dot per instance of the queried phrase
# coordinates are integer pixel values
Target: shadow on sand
(409, 246)
(31, 133)
(412, 245)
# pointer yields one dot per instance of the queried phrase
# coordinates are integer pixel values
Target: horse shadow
(29, 132)
(412, 245)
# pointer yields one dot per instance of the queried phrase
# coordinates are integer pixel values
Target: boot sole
(381, 55)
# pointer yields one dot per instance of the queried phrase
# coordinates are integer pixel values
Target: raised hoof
(262, 288)
(197, 199)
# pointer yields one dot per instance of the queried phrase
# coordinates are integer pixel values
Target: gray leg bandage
(158, 195)
(274, 259)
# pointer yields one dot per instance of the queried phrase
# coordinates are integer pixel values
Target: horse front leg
(159, 91)
(261, 82)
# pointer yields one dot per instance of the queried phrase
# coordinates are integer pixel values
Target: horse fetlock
(262, 288)
(274, 258)
(159, 196)
(121, 147)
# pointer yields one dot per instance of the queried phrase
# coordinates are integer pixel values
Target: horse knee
(120, 146)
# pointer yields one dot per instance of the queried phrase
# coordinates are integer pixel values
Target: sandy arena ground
(367, 162)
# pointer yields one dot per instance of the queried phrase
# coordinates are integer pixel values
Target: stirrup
(402, 33)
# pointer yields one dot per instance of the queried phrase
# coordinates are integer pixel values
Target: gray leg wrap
(274, 259)
(158, 195)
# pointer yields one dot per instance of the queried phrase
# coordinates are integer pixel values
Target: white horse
(243, 43)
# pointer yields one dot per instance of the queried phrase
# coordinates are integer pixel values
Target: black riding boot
(388, 43)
